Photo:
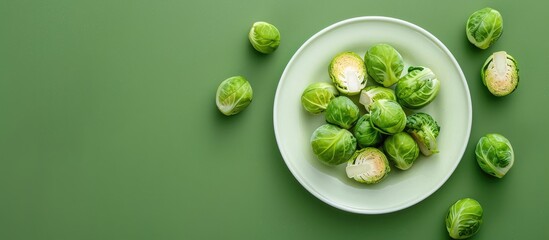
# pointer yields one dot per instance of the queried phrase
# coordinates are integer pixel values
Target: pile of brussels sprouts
(379, 132)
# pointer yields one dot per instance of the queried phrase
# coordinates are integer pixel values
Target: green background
(109, 129)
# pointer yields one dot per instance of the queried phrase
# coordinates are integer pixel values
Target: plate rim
(416, 28)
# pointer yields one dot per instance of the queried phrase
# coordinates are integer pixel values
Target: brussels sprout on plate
(417, 88)
(317, 95)
(342, 111)
(484, 27)
(384, 64)
(348, 73)
(464, 218)
(264, 37)
(500, 74)
(401, 149)
(233, 95)
(387, 116)
(424, 129)
(373, 93)
(333, 145)
(368, 165)
(494, 154)
(366, 135)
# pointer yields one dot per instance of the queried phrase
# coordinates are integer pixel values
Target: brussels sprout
(373, 93)
(333, 145)
(233, 95)
(368, 165)
(401, 149)
(384, 64)
(484, 27)
(500, 74)
(417, 88)
(342, 111)
(387, 116)
(264, 37)
(365, 134)
(494, 154)
(316, 97)
(424, 129)
(348, 72)
(464, 218)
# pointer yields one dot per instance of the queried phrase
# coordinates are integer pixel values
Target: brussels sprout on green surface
(424, 129)
(373, 93)
(348, 73)
(401, 149)
(500, 74)
(366, 135)
(264, 37)
(316, 97)
(494, 154)
(484, 27)
(387, 116)
(368, 165)
(464, 218)
(233, 95)
(342, 111)
(333, 145)
(384, 64)
(417, 88)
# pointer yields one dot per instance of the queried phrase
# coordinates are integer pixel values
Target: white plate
(293, 126)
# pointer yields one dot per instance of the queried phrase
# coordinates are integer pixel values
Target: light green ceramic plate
(293, 125)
